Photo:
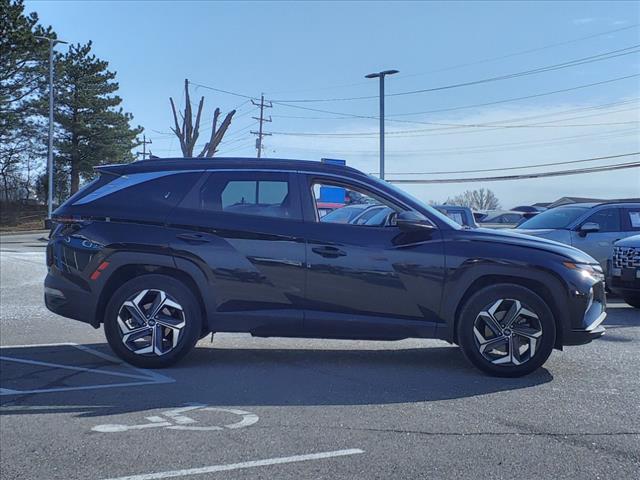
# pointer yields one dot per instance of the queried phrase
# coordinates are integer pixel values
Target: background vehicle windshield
(554, 218)
(343, 215)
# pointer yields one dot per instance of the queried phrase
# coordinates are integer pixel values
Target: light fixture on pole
(381, 76)
(52, 42)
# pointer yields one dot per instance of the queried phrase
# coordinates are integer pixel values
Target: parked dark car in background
(163, 252)
(624, 270)
(591, 227)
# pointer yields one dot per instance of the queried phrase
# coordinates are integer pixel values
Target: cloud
(462, 149)
(583, 21)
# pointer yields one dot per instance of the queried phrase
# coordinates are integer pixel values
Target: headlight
(587, 270)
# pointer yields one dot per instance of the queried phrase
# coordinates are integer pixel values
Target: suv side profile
(162, 252)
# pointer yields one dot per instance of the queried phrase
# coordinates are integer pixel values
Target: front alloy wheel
(507, 332)
(151, 322)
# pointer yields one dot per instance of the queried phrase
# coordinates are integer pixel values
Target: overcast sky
(321, 51)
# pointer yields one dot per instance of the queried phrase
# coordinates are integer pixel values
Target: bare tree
(481, 199)
(189, 132)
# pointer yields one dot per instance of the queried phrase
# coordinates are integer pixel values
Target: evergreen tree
(93, 129)
(23, 77)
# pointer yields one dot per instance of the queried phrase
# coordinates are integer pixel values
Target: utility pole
(381, 76)
(261, 120)
(52, 42)
(144, 147)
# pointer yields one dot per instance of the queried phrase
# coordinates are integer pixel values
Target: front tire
(506, 330)
(152, 321)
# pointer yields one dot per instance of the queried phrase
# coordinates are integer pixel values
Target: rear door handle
(329, 252)
(193, 237)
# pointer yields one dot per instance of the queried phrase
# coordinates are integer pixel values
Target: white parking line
(241, 465)
(141, 377)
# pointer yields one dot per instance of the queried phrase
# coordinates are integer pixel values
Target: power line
(522, 52)
(521, 167)
(477, 149)
(578, 171)
(508, 100)
(235, 94)
(547, 68)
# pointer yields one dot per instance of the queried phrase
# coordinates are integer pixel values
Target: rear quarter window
(136, 195)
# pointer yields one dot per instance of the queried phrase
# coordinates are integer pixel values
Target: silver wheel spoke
(151, 322)
(158, 304)
(512, 314)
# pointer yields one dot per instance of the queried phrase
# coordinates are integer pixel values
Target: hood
(629, 242)
(528, 241)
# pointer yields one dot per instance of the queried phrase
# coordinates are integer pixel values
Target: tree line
(90, 125)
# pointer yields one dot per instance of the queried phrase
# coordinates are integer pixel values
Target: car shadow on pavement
(244, 377)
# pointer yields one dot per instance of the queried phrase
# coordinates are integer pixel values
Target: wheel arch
(128, 265)
(543, 284)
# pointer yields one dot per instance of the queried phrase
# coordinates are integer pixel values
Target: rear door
(244, 228)
(368, 281)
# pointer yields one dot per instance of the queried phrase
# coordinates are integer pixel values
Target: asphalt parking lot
(279, 408)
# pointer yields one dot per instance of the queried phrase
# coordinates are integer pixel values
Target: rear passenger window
(267, 194)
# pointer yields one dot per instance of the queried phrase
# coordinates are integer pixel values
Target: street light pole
(381, 76)
(52, 42)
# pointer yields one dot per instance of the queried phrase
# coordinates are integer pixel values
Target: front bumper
(624, 281)
(586, 335)
(587, 308)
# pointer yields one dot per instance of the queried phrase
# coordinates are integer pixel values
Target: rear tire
(152, 321)
(506, 330)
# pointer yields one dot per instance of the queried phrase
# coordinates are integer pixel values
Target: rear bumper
(65, 298)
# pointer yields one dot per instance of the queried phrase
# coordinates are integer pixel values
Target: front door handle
(193, 237)
(329, 252)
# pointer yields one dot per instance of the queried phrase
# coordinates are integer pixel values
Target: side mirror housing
(412, 221)
(589, 227)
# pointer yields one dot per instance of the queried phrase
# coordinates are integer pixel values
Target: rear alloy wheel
(506, 330)
(152, 321)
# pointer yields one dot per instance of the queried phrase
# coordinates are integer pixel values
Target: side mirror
(412, 221)
(589, 227)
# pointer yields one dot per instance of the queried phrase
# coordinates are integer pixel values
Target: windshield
(554, 218)
(432, 211)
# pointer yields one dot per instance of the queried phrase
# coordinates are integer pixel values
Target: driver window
(608, 220)
(339, 203)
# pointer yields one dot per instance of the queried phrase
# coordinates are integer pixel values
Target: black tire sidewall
(176, 289)
(478, 301)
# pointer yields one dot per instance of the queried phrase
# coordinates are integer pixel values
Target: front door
(599, 244)
(369, 280)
